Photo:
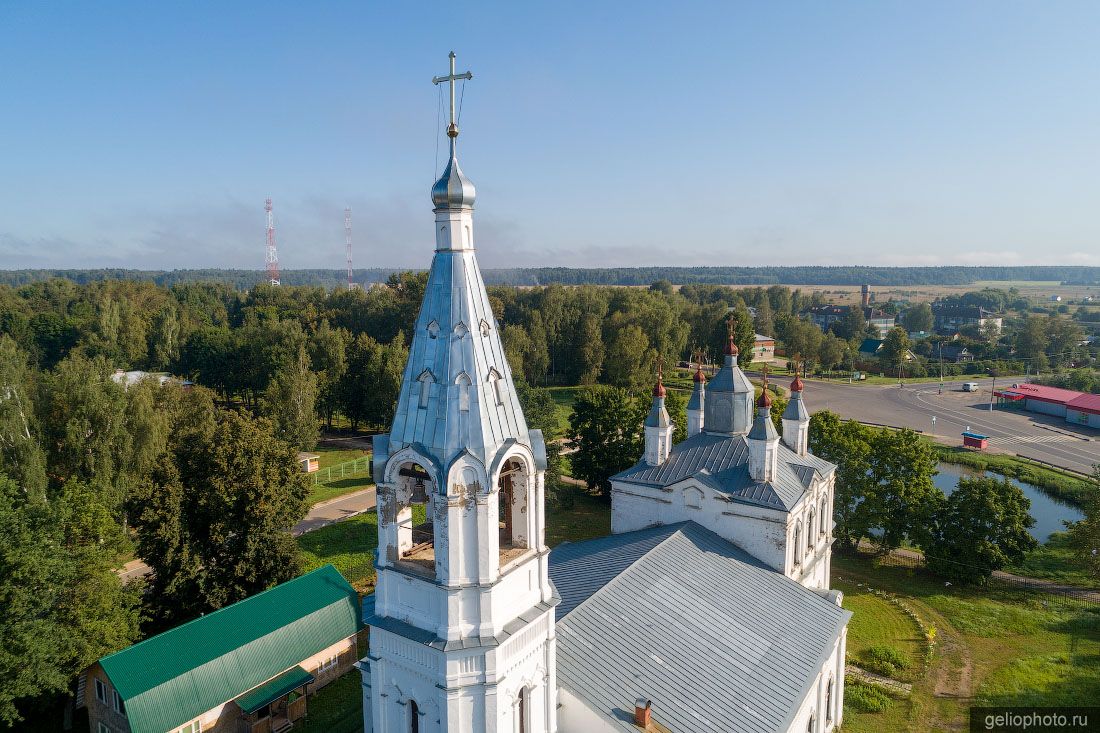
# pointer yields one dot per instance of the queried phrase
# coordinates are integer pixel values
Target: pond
(1049, 513)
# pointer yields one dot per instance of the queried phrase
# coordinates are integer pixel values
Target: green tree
(630, 361)
(832, 352)
(852, 325)
(676, 406)
(982, 526)
(918, 318)
(884, 486)
(164, 346)
(63, 605)
(1084, 534)
(290, 403)
(214, 517)
(1031, 342)
(606, 426)
(21, 456)
(895, 349)
(588, 350)
(328, 356)
(369, 389)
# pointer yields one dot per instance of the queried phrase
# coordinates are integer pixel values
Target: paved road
(334, 510)
(1035, 436)
(320, 515)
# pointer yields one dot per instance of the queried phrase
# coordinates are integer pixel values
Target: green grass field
(340, 487)
(992, 648)
(337, 708)
(877, 623)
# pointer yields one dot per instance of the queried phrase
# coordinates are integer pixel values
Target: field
(1038, 289)
(992, 648)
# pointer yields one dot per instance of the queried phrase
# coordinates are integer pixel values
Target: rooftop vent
(642, 712)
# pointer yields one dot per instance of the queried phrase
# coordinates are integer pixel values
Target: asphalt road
(913, 406)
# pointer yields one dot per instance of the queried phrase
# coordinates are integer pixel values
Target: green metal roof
(289, 680)
(172, 678)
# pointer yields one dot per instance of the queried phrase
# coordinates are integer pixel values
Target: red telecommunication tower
(272, 254)
(347, 244)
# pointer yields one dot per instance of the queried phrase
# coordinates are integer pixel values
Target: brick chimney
(865, 292)
(642, 712)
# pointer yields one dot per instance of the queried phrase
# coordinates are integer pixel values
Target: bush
(864, 698)
(882, 659)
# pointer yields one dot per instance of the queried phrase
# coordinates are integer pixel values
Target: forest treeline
(623, 276)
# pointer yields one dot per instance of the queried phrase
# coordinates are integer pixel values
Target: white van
(970, 387)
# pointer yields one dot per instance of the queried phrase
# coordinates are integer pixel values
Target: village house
(950, 318)
(763, 349)
(246, 668)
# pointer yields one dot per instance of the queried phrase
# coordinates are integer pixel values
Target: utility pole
(940, 345)
(992, 391)
(347, 245)
(272, 254)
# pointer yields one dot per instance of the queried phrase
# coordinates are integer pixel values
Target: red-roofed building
(1078, 408)
(1085, 410)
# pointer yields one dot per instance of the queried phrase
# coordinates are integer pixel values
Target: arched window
(463, 382)
(414, 717)
(521, 710)
(810, 533)
(426, 378)
(829, 702)
(824, 514)
(797, 544)
(496, 382)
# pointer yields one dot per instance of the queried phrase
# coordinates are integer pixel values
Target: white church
(707, 609)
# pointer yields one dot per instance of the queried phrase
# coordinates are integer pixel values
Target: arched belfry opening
(415, 492)
(514, 486)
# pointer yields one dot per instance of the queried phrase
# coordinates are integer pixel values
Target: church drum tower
(462, 618)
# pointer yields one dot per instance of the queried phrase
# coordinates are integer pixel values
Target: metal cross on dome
(452, 128)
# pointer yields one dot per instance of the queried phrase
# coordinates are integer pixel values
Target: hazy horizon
(147, 136)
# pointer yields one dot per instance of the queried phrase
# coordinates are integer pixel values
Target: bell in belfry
(418, 495)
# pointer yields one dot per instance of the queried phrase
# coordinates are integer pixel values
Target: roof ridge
(206, 616)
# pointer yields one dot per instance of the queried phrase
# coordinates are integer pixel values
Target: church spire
(698, 396)
(727, 406)
(658, 425)
(763, 440)
(453, 190)
(796, 420)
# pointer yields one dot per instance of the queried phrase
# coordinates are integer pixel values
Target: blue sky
(598, 134)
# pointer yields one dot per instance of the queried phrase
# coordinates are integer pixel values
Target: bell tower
(462, 618)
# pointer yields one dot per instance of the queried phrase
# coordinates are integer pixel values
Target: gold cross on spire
(452, 128)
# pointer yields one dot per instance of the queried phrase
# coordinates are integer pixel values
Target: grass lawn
(1054, 561)
(876, 623)
(337, 708)
(564, 397)
(992, 648)
(588, 517)
(349, 545)
(331, 456)
(339, 487)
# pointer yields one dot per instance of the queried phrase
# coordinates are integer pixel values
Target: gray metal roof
(763, 428)
(658, 415)
(721, 461)
(695, 402)
(679, 616)
(796, 408)
(456, 351)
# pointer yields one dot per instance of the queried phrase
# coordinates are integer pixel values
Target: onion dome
(731, 348)
(765, 399)
(796, 385)
(453, 190)
(699, 376)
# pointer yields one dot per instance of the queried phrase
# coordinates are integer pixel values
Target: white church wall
(813, 705)
(574, 716)
(759, 531)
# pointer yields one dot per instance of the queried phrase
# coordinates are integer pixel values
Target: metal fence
(342, 470)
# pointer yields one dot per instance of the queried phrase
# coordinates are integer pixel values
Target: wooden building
(246, 668)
